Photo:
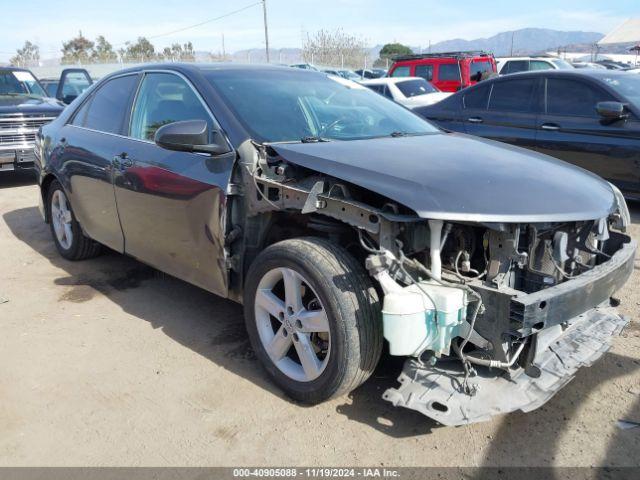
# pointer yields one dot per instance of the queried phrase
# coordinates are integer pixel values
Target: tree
(141, 51)
(27, 56)
(179, 53)
(334, 49)
(77, 50)
(103, 51)
(389, 51)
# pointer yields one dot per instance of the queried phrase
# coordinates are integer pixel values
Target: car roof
(388, 80)
(212, 67)
(592, 73)
(15, 69)
(528, 57)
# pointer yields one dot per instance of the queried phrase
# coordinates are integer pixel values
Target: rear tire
(343, 342)
(67, 234)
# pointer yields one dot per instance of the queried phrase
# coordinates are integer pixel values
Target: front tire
(313, 318)
(67, 234)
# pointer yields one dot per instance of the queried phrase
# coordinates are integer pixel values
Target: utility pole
(266, 29)
(224, 53)
(512, 35)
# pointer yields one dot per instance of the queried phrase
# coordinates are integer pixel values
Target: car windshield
(562, 64)
(416, 87)
(628, 86)
(282, 106)
(19, 82)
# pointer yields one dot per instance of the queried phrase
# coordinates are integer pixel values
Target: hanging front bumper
(437, 391)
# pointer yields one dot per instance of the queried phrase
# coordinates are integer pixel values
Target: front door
(572, 130)
(172, 205)
(509, 113)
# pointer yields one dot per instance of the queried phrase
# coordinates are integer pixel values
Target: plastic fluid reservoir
(409, 318)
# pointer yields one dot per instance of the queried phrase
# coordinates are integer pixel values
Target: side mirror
(67, 99)
(612, 110)
(189, 136)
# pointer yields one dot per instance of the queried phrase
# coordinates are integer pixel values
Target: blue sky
(414, 22)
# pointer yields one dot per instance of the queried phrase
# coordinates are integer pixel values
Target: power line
(206, 21)
(247, 7)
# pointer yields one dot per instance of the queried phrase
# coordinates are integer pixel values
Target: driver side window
(164, 98)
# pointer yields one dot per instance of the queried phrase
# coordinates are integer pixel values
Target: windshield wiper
(313, 139)
(408, 134)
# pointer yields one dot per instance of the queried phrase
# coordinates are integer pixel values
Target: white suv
(507, 65)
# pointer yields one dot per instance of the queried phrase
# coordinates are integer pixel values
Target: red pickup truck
(450, 71)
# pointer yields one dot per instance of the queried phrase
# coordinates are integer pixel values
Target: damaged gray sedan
(340, 220)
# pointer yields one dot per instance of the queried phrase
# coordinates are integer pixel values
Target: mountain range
(525, 41)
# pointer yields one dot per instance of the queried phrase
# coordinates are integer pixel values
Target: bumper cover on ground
(437, 391)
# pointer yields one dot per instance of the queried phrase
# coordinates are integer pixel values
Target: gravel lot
(108, 362)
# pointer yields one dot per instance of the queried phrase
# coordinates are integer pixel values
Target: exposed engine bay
(492, 316)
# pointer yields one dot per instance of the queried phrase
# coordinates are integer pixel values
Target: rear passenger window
(425, 71)
(381, 89)
(512, 95)
(515, 66)
(449, 71)
(540, 65)
(568, 97)
(402, 72)
(106, 109)
(477, 97)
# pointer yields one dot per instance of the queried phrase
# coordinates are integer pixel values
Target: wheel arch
(46, 182)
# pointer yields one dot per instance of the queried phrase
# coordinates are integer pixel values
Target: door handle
(550, 126)
(474, 120)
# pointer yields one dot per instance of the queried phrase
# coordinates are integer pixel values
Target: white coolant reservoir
(411, 324)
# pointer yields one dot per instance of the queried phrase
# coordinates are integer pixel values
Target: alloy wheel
(61, 219)
(292, 324)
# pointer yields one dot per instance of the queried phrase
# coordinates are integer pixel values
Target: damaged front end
(539, 308)
(493, 316)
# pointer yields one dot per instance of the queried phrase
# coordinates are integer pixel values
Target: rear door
(509, 114)
(172, 205)
(571, 129)
(87, 145)
(447, 76)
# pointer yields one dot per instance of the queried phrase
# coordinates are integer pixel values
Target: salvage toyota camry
(340, 220)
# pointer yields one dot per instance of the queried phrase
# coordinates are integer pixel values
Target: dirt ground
(108, 362)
